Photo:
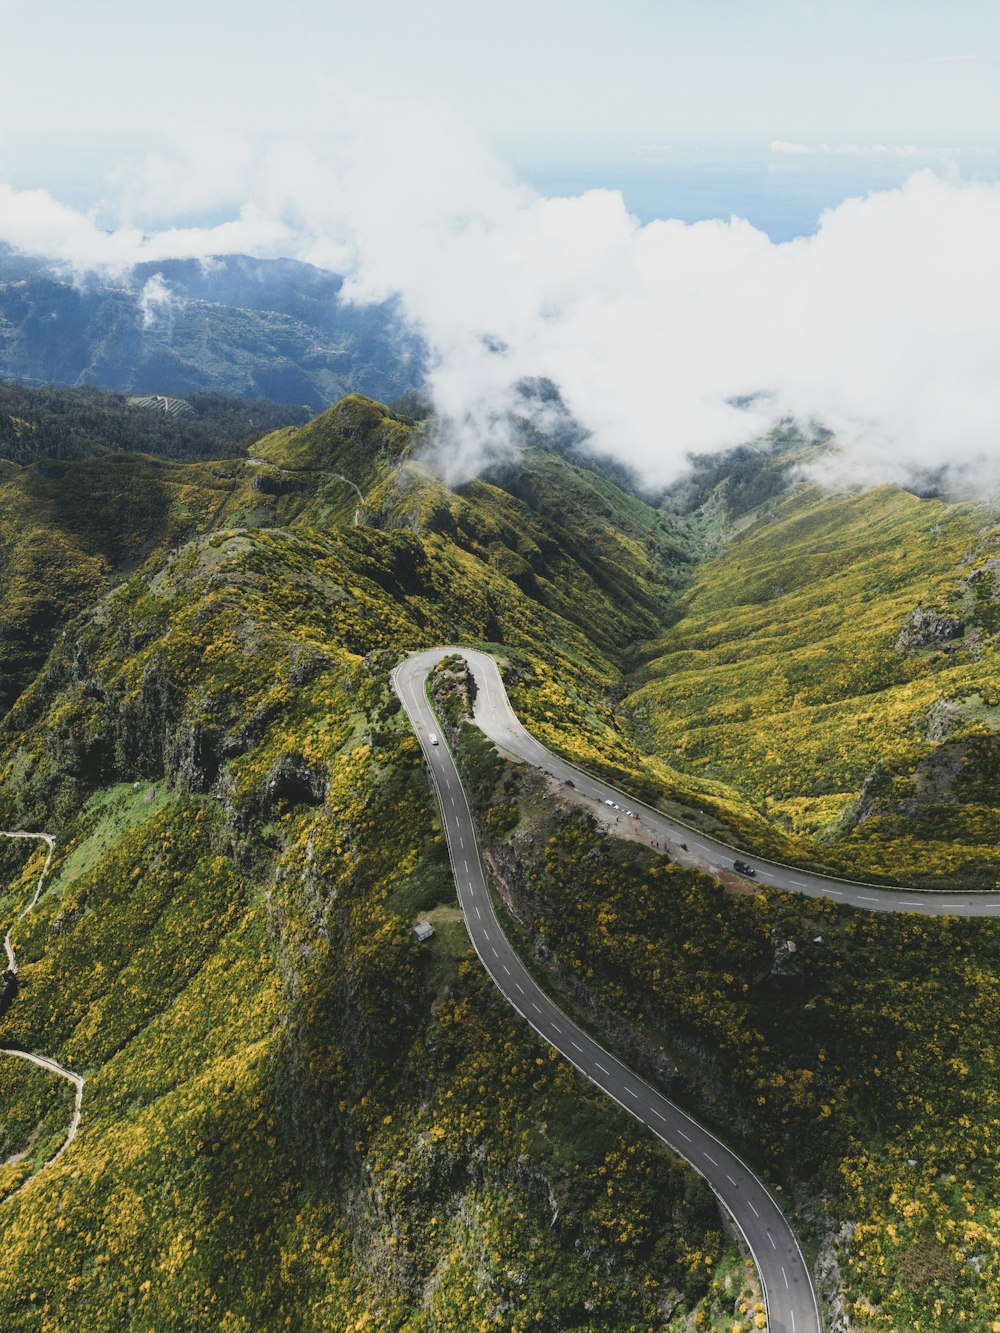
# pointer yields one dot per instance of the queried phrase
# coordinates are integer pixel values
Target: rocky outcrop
(787, 961)
(943, 717)
(928, 629)
(934, 781)
(830, 1280)
(989, 574)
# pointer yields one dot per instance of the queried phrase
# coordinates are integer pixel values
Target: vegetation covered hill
(295, 1115)
(70, 530)
(273, 329)
(837, 662)
(47, 423)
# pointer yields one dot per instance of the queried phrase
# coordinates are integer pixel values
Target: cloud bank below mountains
(663, 339)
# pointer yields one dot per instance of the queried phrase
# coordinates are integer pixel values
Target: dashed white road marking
(710, 1158)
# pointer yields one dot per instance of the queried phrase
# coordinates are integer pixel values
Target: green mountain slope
(69, 530)
(63, 424)
(295, 1115)
(837, 664)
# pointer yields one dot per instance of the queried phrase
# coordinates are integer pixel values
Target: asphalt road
(497, 719)
(788, 1290)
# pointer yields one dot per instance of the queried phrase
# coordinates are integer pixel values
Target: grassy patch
(102, 821)
(445, 951)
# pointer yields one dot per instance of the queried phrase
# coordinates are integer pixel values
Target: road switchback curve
(785, 1279)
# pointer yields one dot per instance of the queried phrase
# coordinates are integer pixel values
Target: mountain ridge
(274, 329)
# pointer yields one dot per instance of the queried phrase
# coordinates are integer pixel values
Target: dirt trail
(43, 1061)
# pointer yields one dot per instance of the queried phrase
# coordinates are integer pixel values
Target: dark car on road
(743, 869)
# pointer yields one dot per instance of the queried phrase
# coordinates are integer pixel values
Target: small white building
(423, 930)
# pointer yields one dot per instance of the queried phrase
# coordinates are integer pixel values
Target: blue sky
(88, 84)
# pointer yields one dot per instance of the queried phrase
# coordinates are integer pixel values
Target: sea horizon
(781, 190)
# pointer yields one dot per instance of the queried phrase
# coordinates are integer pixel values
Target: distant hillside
(84, 423)
(274, 329)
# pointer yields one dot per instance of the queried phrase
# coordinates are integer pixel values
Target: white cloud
(884, 325)
(33, 222)
(157, 302)
(200, 168)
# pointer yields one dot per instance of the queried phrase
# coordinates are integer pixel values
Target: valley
(231, 963)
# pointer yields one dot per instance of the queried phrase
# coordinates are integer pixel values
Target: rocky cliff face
(928, 629)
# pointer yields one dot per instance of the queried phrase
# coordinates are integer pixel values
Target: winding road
(788, 1290)
(688, 846)
(785, 1279)
(43, 1061)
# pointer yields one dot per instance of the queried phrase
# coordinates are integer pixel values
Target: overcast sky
(85, 84)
